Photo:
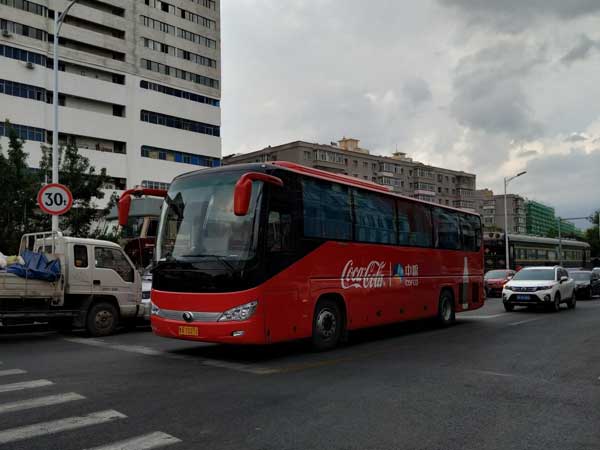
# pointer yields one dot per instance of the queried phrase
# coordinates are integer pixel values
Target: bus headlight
(239, 313)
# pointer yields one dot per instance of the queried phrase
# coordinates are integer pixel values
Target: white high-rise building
(140, 83)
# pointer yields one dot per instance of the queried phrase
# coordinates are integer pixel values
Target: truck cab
(98, 288)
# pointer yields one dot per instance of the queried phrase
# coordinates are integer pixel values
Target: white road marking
(147, 351)
(24, 385)
(146, 442)
(491, 316)
(39, 402)
(12, 372)
(497, 374)
(56, 426)
(512, 324)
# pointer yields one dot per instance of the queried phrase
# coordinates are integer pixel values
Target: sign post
(55, 199)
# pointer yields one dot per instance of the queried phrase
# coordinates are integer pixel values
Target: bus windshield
(197, 220)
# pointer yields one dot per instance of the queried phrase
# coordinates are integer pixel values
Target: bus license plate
(188, 331)
(522, 297)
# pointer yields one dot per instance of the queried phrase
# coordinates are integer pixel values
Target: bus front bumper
(251, 331)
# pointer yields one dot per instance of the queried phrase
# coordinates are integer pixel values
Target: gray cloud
(581, 51)
(576, 137)
(577, 172)
(417, 91)
(527, 153)
(489, 90)
(323, 69)
(515, 16)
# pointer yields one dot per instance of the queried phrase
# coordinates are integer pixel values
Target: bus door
(281, 251)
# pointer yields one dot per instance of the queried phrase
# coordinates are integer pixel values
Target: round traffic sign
(55, 199)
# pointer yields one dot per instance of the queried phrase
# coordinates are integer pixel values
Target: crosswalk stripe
(56, 426)
(12, 372)
(39, 402)
(145, 442)
(24, 385)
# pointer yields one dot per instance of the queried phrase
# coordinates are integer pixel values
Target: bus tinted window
(446, 229)
(414, 224)
(471, 232)
(374, 217)
(327, 210)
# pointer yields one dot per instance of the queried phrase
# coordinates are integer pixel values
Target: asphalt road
(495, 380)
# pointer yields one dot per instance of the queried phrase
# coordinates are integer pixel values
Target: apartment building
(401, 173)
(540, 219)
(515, 211)
(139, 86)
(485, 205)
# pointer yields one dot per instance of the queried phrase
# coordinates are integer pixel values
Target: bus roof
(323, 175)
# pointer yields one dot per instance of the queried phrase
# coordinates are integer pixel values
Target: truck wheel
(327, 325)
(446, 314)
(102, 319)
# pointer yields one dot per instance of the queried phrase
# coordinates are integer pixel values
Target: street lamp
(560, 220)
(58, 21)
(506, 181)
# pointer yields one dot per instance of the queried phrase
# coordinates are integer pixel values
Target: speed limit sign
(55, 199)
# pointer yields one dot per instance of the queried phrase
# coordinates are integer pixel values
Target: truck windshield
(197, 220)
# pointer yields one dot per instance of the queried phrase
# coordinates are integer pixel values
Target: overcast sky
(486, 86)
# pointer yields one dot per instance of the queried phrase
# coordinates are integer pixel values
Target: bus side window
(279, 232)
(446, 229)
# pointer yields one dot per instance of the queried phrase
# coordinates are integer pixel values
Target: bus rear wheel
(327, 325)
(446, 315)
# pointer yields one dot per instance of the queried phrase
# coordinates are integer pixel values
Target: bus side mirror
(243, 190)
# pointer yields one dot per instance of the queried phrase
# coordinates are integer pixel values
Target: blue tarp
(36, 267)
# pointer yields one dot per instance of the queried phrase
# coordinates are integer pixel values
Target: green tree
(18, 193)
(592, 237)
(85, 183)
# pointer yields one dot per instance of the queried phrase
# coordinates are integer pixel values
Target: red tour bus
(264, 253)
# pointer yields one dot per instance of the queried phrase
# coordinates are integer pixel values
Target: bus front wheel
(327, 325)
(446, 314)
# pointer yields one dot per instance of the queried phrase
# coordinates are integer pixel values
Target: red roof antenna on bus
(125, 201)
(323, 174)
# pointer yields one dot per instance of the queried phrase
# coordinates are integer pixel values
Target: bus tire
(446, 314)
(102, 319)
(327, 325)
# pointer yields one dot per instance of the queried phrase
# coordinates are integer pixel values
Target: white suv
(548, 286)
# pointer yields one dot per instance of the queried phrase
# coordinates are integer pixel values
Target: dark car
(587, 283)
(495, 280)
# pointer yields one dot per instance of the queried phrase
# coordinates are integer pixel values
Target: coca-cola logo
(368, 277)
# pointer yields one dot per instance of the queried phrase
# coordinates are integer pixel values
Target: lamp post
(58, 21)
(506, 181)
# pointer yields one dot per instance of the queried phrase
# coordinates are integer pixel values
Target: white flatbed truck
(98, 287)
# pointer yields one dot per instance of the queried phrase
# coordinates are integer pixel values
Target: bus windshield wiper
(219, 258)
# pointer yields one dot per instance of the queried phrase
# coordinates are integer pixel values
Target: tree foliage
(76, 172)
(18, 193)
(592, 235)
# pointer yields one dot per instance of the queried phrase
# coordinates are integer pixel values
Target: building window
(179, 53)
(179, 157)
(155, 184)
(26, 5)
(179, 93)
(23, 30)
(178, 73)
(307, 156)
(24, 132)
(177, 122)
(183, 13)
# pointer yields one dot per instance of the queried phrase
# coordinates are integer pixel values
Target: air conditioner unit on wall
(6, 33)
(29, 65)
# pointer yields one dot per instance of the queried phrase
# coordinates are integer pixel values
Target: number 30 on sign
(55, 199)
